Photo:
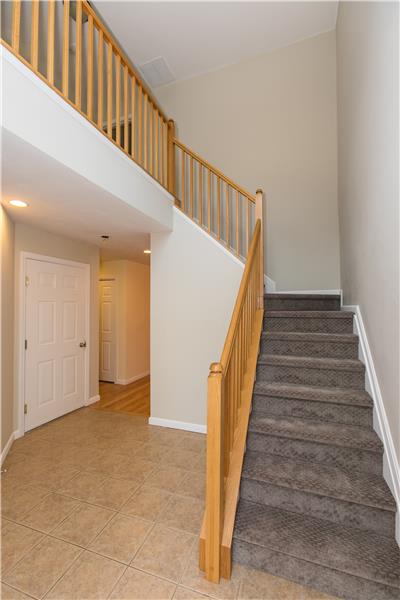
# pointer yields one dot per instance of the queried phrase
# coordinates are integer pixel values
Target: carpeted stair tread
(343, 436)
(310, 362)
(323, 480)
(306, 336)
(288, 296)
(359, 553)
(308, 314)
(345, 396)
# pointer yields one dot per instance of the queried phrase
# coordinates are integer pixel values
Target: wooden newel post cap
(215, 368)
(171, 122)
(259, 191)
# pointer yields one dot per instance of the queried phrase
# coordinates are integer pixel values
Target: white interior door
(55, 329)
(107, 331)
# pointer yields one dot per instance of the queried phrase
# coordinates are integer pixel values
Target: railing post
(171, 158)
(215, 474)
(259, 215)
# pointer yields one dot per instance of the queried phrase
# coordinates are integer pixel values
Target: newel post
(171, 158)
(214, 474)
(259, 215)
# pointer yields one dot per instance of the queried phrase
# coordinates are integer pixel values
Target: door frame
(21, 324)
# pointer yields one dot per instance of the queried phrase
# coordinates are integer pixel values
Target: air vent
(156, 72)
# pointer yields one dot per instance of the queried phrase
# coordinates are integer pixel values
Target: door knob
(82, 345)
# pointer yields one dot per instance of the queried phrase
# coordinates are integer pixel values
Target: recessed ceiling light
(146, 251)
(19, 203)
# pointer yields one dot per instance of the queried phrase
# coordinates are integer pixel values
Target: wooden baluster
(35, 35)
(191, 182)
(90, 69)
(51, 8)
(65, 50)
(145, 124)
(16, 25)
(237, 224)
(126, 116)
(118, 99)
(78, 56)
(165, 154)
(157, 131)
(171, 157)
(209, 200)
(140, 124)
(215, 473)
(151, 139)
(201, 193)
(259, 215)
(133, 116)
(247, 225)
(109, 89)
(228, 222)
(100, 79)
(219, 208)
(183, 180)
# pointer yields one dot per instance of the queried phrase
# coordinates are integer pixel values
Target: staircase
(314, 507)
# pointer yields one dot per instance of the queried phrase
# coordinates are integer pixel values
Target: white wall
(368, 134)
(7, 326)
(132, 317)
(194, 284)
(270, 122)
(31, 239)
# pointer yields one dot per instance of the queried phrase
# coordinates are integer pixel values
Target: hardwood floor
(133, 398)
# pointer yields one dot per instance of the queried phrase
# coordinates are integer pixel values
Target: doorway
(108, 346)
(55, 338)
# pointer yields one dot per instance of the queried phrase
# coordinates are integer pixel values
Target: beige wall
(30, 239)
(368, 126)
(7, 326)
(270, 122)
(133, 317)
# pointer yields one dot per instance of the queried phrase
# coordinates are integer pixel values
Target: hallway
(101, 505)
(133, 398)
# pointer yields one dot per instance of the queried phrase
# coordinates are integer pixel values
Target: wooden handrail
(230, 388)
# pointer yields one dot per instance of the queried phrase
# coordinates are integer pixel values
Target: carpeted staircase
(314, 507)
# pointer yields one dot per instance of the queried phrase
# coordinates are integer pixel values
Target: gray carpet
(314, 507)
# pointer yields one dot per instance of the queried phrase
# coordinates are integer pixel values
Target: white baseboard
(92, 400)
(14, 436)
(178, 425)
(270, 284)
(391, 469)
(132, 379)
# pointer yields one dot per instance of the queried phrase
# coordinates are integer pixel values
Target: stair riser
(349, 458)
(307, 376)
(319, 577)
(301, 304)
(317, 411)
(315, 349)
(316, 324)
(335, 510)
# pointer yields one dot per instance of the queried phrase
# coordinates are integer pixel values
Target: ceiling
(68, 204)
(197, 37)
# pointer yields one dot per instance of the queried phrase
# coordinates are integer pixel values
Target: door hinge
(25, 409)
(27, 281)
(26, 344)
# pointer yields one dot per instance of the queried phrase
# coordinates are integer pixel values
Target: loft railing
(102, 85)
(68, 46)
(230, 389)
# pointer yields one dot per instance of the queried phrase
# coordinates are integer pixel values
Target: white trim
(391, 470)
(14, 436)
(337, 292)
(132, 379)
(21, 320)
(92, 400)
(270, 285)
(177, 425)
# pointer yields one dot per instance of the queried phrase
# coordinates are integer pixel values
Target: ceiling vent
(156, 72)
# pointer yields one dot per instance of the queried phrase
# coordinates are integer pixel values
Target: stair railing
(230, 389)
(68, 46)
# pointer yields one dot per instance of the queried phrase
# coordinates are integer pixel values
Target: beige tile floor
(101, 505)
